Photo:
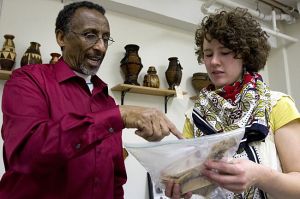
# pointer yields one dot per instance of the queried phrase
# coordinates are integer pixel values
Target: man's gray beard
(86, 71)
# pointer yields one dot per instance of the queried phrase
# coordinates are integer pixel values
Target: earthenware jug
(131, 64)
(173, 73)
(54, 57)
(151, 79)
(8, 53)
(200, 80)
(32, 54)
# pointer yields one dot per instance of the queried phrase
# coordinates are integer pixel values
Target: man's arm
(33, 140)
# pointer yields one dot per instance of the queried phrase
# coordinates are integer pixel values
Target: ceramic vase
(131, 64)
(54, 57)
(151, 78)
(200, 80)
(173, 73)
(32, 55)
(8, 53)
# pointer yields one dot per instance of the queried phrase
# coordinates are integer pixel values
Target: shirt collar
(87, 78)
(63, 72)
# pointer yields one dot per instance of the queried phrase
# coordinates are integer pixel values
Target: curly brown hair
(238, 31)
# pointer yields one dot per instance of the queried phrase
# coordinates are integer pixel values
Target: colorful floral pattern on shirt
(246, 103)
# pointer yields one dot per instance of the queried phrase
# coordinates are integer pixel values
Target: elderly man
(62, 131)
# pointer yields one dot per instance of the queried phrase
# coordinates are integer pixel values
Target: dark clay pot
(174, 73)
(32, 55)
(131, 64)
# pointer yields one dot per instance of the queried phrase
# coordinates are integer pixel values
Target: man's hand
(151, 124)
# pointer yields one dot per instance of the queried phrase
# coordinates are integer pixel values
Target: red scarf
(230, 92)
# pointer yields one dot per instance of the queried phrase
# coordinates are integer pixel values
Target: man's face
(80, 49)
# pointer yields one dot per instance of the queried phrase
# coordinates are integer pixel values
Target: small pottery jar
(32, 55)
(54, 57)
(8, 53)
(151, 78)
(131, 64)
(173, 73)
(200, 80)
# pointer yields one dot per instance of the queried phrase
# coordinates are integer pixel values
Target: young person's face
(79, 52)
(222, 68)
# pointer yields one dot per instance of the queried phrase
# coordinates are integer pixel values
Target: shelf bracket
(123, 93)
(166, 102)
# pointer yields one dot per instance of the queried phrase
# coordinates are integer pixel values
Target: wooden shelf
(5, 74)
(143, 90)
(124, 88)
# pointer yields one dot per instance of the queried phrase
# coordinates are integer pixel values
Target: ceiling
(290, 7)
(285, 6)
(292, 3)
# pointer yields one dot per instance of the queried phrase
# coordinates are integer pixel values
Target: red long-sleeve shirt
(60, 141)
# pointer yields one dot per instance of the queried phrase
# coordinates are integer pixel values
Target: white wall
(283, 65)
(157, 42)
(294, 61)
(33, 20)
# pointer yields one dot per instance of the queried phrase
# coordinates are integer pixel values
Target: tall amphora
(173, 73)
(8, 53)
(131, 64)
(32, 54)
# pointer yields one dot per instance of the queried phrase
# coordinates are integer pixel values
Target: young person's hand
(173, 191)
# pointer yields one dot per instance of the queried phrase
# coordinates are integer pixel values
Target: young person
(234, 48)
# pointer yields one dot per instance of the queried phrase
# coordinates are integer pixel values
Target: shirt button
(111, 130)
(77, 146)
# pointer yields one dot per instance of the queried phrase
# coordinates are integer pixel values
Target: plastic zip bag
(182, 160)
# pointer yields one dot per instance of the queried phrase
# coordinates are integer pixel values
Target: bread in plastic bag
(182, 160)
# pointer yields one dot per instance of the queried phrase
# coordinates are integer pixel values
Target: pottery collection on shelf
(131, 66)
(8, 53)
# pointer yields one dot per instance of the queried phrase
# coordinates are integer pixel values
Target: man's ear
(60, 38)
